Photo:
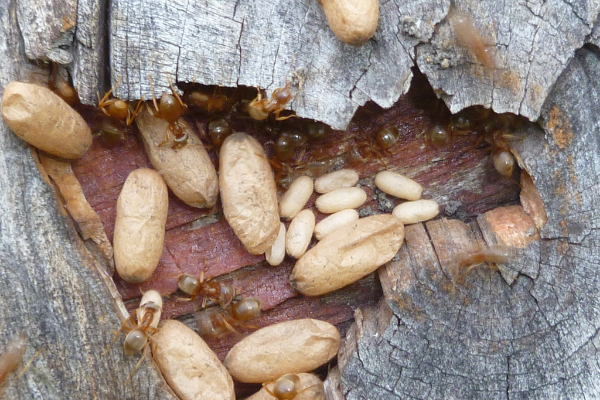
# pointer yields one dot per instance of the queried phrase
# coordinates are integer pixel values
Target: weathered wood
(52, 289)
(257, 42)
(532, 42)
(532, 335)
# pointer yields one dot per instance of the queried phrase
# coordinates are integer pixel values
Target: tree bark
(533, 333)
(527, 331)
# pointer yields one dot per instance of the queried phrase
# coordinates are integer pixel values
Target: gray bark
(534, 335)
(259, 42)
(52, 289)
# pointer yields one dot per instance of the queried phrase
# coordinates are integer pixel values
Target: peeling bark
(533, 333)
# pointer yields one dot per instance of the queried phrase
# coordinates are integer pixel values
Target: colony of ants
(220, 112)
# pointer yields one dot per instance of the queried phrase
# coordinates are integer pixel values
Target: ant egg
(387, 137)
(295, 198)
(412, 212)
(219, 130)
(276, 253)
(348, 254)
(299, 233)
(334, 222)
(248, 192)
(343, 178)
(341, 199)
(398, 185)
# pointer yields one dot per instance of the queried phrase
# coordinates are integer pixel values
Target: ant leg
(131, 375)
(135, 112)
(26, 367)
(174, 92)
(123, 326)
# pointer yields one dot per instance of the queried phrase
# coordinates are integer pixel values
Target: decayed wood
(52, 289)
(532, 45)
(258, 42)
(529, 331)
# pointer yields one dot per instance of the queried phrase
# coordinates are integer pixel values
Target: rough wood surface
(52, 289)
(530, 331)
(259, 42)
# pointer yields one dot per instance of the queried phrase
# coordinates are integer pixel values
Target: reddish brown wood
(459, 177)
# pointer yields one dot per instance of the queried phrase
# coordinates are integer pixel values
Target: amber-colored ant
(62, 88)
(260, 108)
(171, 109)
(471, 39)
(218, 322)
(117, 108)
(140, 326)
(207, 103)
(218, 292)
(491, 255)
(288, 387)
(219, 130)
(12, 356)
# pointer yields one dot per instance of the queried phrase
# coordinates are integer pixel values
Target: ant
(288, 387)
(260, 108)
(138, 333)
(498, 253)
(171, 109)
(471, 39)
(216, 322)
(216, 291)
(387, 137)
(117, 108)
(12, 357)
(62, 88)
(209, 104)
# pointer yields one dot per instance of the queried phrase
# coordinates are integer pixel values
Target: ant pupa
(218, 292)
(171, 109)
(140, 326)
(116, 108)
(218, 322)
